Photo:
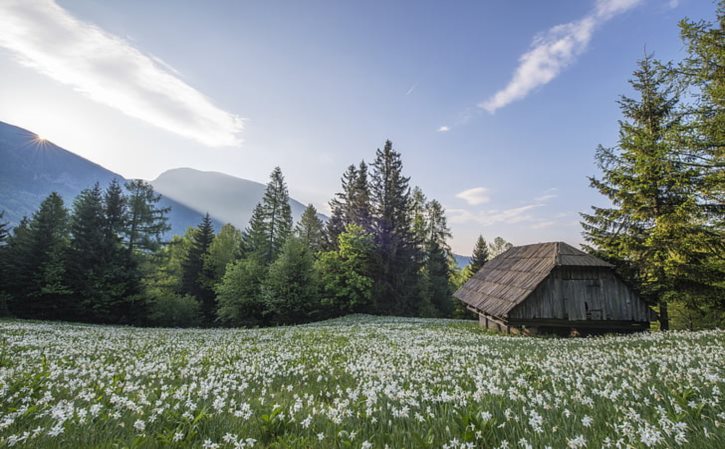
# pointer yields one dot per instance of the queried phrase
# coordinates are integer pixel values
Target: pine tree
(479, 256)
(35, 256)
(396, 276)
(340, 207)
(195, 276)
(311, 230)
(147, 222)
(271, 221)
(648, 187)
(351, 205)
(359, 212)
(88, 256)
(437, 269)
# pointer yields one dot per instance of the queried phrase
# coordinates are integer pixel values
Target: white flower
(587, 421)
(139, 425)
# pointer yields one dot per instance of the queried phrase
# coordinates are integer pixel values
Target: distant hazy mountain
(462, 261)
(31, 168)
(226, 198)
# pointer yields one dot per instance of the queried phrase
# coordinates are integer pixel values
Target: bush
(169, 309)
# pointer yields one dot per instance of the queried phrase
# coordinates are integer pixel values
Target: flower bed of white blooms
(356, 382)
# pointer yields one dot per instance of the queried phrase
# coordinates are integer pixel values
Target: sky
(497, 107)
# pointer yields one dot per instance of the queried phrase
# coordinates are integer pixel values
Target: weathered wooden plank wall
(579, 294)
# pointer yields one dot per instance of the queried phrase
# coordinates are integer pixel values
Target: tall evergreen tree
(437, 270)
(271, 221)
(360, 209)
(479, 256)
(396, 274)
(650, 190)
(147, 222)
(340, 207)
(351, 205)
(90, 259)
(195, 275)
(310, 229)
(35, 256)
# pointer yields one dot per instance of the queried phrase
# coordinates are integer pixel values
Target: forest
(384, 249)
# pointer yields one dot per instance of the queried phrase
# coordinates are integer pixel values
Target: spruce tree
(340, 206)
(147, 222)
(35, 256)
(437, 270)
(195, 275)
(351, 205)
(396, 275)
(310, 230)
(648, 187)
(271, 221)
(88, 260)
(479, 256)
(359, 207)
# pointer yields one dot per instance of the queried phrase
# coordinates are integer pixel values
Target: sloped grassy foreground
(359, 382)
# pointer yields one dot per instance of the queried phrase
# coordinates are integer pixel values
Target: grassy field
(357, 382)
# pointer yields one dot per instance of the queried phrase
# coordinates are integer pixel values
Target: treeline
(384, 250)
(665, 181)
(83, 265)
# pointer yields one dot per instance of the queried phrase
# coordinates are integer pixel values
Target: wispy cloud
(411, 90)
(444, 129)
(110, 71)
(493, 216)
(512, 215)
(475, 196)
(554, 50)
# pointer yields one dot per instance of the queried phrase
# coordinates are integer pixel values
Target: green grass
(356, 382)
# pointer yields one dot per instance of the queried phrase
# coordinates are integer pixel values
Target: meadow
(356, 382)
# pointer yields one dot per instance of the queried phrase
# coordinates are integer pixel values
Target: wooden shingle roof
(508, 279)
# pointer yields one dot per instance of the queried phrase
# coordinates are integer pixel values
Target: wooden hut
(554, 287)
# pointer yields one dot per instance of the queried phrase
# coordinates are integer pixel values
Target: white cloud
(411, 90)
(507, 216)
(110, 71)
(444, 129)
(475, 196)
(554, 50)
(493, 216)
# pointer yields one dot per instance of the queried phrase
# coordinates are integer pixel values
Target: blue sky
(496, 106)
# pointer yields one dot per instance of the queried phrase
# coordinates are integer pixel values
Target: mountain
(227, 198)
(461, 261)
(31, 168)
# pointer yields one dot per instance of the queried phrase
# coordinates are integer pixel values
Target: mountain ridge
(33, 167)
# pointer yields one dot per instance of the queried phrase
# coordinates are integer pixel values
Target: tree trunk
(664, 316)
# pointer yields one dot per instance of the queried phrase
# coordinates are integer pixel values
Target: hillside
(31, 168)
(356, 382)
